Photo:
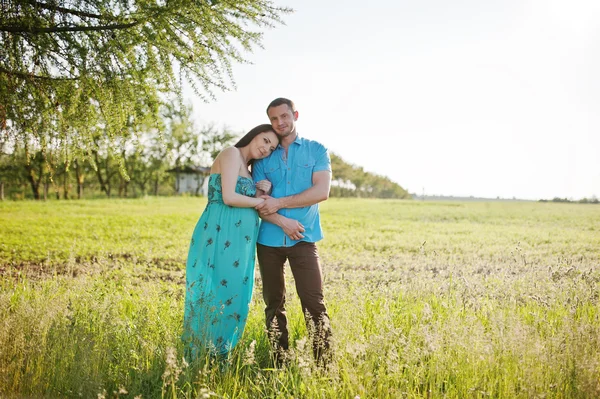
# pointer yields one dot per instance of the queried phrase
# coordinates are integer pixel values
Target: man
(300, 173)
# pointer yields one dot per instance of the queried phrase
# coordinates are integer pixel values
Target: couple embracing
(292, 176)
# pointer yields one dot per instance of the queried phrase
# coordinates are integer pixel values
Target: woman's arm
(230, 163)
(312, 195)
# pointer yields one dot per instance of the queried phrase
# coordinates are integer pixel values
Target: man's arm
(318, 192)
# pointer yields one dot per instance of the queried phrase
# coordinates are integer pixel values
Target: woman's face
(264, 144)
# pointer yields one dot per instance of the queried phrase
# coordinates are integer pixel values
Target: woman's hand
(264, 186)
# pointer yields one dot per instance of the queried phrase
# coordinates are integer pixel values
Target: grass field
(435, 300)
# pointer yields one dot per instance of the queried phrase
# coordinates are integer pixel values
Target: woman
(220, 264)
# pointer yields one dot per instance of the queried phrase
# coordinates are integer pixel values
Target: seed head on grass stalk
(172, 372)
(249, 358)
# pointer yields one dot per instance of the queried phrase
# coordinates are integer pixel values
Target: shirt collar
(299, 141)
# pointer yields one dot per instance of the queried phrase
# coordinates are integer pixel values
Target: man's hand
(292, 228)
(269, 206)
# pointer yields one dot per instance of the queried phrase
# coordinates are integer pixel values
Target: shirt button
(288, 182)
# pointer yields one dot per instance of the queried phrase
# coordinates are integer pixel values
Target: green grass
(440, 300)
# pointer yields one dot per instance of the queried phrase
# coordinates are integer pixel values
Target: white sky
(465, 97)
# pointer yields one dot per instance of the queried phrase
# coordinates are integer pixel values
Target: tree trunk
(142, 185)
(123, 187)
(79, 176)
(107, 182)
(156, 187)
(103, 185)
(35, 185)
(46, 186)
(1, 191)
(66, 185)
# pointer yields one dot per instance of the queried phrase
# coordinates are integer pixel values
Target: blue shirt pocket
(273, 173)
(304, 170)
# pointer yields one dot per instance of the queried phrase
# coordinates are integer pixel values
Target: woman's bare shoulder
(229, 152)
(230, 156)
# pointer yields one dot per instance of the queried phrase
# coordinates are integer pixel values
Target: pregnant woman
(220, 263)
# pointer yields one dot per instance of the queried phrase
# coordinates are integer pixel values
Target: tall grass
(440, 300)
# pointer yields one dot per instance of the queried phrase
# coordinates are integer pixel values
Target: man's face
(283, 119)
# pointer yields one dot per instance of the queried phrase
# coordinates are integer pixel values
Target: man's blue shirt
(289, 177)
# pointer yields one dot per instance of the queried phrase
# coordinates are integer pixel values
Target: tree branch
(31, 75)
(65, 10)
(55, 29)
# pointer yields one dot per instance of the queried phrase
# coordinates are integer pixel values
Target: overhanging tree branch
(27, 75)
(56, 29)
(83, 65)
(78, 13)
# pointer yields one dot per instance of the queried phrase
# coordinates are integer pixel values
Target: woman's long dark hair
(247, 138)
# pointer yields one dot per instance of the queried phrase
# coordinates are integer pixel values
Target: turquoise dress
(220, 272)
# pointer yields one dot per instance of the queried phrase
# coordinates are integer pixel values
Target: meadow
(427, 300)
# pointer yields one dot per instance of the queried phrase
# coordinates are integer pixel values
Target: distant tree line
(144, 164)
(592, 200)
(352, 181)
(140, 165)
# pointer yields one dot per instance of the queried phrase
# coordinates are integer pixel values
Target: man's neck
(288, 140)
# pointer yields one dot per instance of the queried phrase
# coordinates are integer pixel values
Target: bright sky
(469, 97)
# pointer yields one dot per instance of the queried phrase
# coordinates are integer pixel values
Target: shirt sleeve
(322, 160)
(258, 171)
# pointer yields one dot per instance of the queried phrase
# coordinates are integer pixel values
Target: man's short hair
(280, 101)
